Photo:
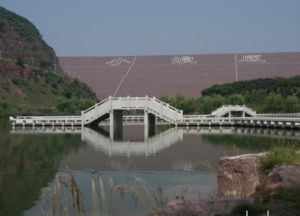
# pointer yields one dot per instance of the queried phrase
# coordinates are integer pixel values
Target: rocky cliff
(31, 79)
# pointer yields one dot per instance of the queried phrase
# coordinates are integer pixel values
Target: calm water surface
(82, 172)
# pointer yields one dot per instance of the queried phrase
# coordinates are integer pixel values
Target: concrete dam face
(169, 75)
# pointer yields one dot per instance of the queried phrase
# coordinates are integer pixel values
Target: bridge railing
(217, 110)
(279, 115)
(46, 118)
(127, 103)
(97, 104)
(168, 105)
(164, 110)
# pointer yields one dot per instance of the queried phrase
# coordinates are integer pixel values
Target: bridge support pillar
(149, 123)
(116, 124)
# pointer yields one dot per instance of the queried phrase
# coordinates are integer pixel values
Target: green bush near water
(280, 155)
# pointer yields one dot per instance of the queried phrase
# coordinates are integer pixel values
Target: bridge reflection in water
(155, 143)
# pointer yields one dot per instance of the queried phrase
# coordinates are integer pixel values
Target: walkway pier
(110, 112)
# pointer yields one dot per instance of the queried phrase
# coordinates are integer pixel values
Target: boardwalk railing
(46, 120)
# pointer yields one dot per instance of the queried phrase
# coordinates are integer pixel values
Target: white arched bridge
(110, 111)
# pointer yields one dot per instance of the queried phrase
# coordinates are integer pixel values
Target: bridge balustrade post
(96, 111)
(110, 102)
(146, 98)
(128, 101)
(111, 125)
(146, 125)
(82, 119)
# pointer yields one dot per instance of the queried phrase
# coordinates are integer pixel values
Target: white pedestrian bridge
(110, 111)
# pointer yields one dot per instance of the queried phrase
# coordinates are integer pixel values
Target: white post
(146, 125)
(146, 97)
(110, 102)
(128, 99)
(111, 125)
(96, 111)
(82, 119)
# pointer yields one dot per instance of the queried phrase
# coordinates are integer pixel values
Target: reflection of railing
(146, 147)
(156, 143)
(47, 130)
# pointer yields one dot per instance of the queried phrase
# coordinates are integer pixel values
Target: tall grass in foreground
(279, 155)
(101, 196)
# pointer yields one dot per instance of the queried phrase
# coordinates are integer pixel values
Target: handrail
(103, 101)
(46, 117)
(97, 104)
(209, 118)
(229, 107)
(288, 115)
(216, 110)
(168, 105)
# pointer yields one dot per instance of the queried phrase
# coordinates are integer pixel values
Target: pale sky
(150, 27)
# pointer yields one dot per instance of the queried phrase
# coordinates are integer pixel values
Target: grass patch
(254, 209)
(279, 155)
(290, 194)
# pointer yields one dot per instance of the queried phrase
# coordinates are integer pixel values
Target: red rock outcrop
(239, 175)
(283, 176)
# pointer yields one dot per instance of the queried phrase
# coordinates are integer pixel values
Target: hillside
(31, 78)
(21, 41)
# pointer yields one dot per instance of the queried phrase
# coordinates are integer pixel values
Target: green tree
(274, 103)
(291, 104)
(210, 103)
(66, 106)
(237, 99)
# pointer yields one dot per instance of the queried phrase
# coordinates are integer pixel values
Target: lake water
(74, 171)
